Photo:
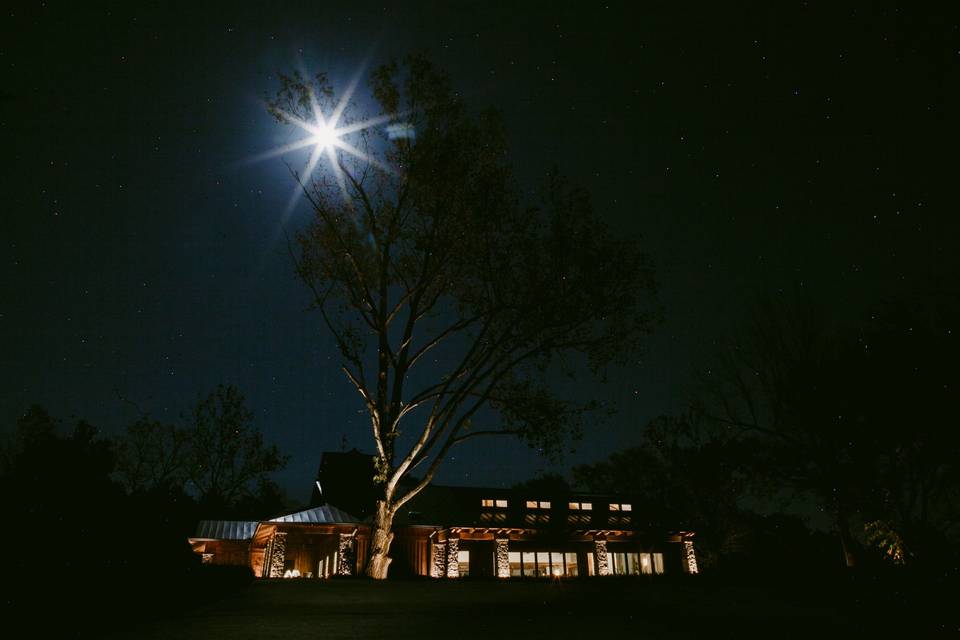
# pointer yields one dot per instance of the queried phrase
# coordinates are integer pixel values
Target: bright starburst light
(326, 136)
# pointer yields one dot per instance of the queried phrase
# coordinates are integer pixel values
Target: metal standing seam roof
(244, 530)
(326, 514)
(226, 529)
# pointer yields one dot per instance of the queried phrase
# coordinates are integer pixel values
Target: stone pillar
(265, 562)
(689, 557)
(453, 567)
(206, 558)
(603, 563)
(278, 553)
(439, 568)
(503, 557)
(345, 554)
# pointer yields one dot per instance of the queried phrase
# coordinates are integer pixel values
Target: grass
(680, 608)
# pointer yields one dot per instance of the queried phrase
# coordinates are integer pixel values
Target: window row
(573, 519)
(542, 564)
(545, 504)
(629, 564)
(556, 564)
(538, 504)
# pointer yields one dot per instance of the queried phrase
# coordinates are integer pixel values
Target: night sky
(809, 147)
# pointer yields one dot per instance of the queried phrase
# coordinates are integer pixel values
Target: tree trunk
(379, 562)
(846, 541)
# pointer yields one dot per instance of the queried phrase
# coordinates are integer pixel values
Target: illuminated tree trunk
(379, 561)
(846, 540)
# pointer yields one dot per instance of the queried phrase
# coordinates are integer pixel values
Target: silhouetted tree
(103, 556)
(218, 456)
(908, 389)
(227, 455)
(152, 455)
(56, 482)
(687, 476)
(549, 484)
(857, 419)
(445, 294)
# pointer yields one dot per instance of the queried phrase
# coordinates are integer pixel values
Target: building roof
(226, 529)
(244, 529)
(326, 514)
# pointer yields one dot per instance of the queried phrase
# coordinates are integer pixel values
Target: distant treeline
(96, 529)
(850, 429)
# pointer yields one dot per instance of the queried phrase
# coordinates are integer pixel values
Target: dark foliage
(854, 424)
(83, 556)
(217, 456)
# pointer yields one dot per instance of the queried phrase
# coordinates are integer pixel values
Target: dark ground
(659, 608)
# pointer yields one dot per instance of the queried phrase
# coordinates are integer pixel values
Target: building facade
(450, 532)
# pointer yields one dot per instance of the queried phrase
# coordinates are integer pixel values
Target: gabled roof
(225, 529)
(327, 514)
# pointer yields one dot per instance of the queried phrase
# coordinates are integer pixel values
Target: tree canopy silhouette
(218, 456)
(448, 296)
(858, 419)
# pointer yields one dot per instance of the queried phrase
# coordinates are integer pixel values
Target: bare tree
(227, 455)
(447, 297)
(218, 456)
(152, 455)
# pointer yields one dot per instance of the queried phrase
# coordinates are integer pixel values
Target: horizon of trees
(798, 418)
(109, 553)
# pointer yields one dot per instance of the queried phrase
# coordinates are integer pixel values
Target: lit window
(646, 566)
(626, 507)
(543, 564)
(463, 563)
(624, 564)
(578, 506)
(614, 507)
(586, 506)
(486, 502)
(531, 504)
(535, 504)
(529, 564)
(516, 569)
(573, 506)
(501, 504)
(544, 504)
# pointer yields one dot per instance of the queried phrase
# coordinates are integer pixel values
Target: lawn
(647, 608)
